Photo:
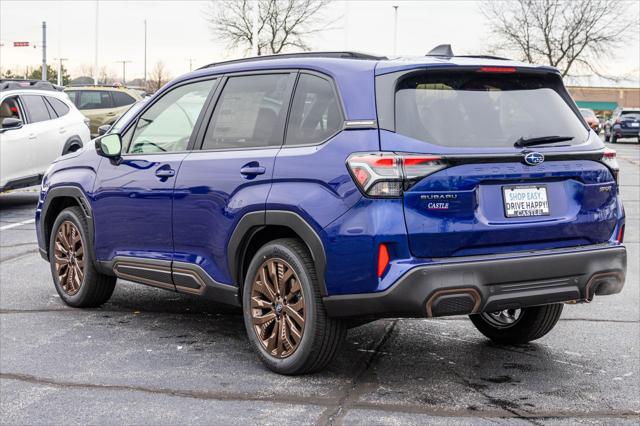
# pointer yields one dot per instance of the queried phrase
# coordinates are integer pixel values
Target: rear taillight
(620, 237)
(384, 175)
(609, 159)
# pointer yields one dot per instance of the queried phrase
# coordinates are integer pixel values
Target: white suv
(38, 123)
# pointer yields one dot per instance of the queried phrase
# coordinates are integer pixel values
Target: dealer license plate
(525, 201)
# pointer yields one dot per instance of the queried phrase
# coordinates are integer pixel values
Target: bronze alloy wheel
(69, 257)
(277, 308)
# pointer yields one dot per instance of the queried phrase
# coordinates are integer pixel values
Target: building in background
(603, 100)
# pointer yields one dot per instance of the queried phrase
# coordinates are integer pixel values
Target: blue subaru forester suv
(323, 190)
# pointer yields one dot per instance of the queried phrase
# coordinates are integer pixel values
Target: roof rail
(499, 58)
(342, 55)
(19, 84)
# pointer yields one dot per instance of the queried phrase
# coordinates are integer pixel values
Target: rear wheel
(283, 311)
(77, 281)
(613, 138)
(513, 326)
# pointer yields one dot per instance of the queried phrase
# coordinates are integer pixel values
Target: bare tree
(158, 77)
(569, 35)
(280, 24)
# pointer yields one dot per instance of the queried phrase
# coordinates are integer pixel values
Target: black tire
(95, 288)
(613, 138)
(321, 335)
(532, 324)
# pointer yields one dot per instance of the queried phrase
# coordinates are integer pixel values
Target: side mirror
(103, 129)
(109, 146)
(9, 123)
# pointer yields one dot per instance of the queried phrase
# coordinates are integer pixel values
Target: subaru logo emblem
(533, 158)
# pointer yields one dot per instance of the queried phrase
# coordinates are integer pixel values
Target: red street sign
(20, 44)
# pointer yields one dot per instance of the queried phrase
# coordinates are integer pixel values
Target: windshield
(587, 113)
(472, 109)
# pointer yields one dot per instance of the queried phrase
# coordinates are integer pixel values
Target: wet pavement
(155, 357)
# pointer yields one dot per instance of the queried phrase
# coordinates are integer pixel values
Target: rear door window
(472, 109)
(250, 112)
(93, 99)
(36, 108)
(315, 112)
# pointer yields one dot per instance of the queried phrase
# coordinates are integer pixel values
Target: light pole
(60, 61)
(190, 64)
(395, 29)
(44, 51)
(95, 52)
(145, 53)
(124, 71)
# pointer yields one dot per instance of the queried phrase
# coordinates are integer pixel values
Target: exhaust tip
(453, 302)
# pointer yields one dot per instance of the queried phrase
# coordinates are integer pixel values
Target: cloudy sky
(178, 31)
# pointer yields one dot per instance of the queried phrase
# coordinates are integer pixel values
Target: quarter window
(36, 108)
(167, 125)
(58, 106)
(121, 99)
(315, 112)
(250, 113)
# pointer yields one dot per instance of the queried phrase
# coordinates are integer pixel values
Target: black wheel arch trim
(253, 222)
(73, 140)
(66, 192)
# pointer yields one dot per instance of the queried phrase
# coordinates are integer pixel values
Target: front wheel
(514, 326)
(77, 281)
(283, 312)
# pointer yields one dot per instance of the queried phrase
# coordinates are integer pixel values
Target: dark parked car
(319, 190)
(624, 123)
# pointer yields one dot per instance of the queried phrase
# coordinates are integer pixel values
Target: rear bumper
(475, 285)
(626, 132)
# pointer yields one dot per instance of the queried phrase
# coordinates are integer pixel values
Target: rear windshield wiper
(541, 140)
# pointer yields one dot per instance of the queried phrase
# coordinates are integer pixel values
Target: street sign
(20, 44)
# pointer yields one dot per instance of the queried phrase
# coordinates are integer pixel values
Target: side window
(93, 99)
(58, 106)
(250, 113)
(167, 125)
(121, 99)
(315, 112)
(36, 108)
(10, 108)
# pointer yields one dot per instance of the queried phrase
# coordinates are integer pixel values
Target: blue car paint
(191, 217)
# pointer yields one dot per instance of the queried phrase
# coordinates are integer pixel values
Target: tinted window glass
(249, 113)
(630, 115)
(167, 125)
(52, 113)
(121, 99)
(471, 109)
(93, 99)
(315, 113)
(36, 108)
(59, 107)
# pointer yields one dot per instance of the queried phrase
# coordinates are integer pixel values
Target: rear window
(630, 115)
(471, 109)
(122, 99)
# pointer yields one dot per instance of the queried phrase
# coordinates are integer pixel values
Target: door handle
(61, 130)
(111, 114)
(252, 171)
(165, 173)
(32, 136)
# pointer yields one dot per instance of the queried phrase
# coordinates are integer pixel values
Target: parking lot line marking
(15, 225)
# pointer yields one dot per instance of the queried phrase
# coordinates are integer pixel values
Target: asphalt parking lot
(154, 357)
